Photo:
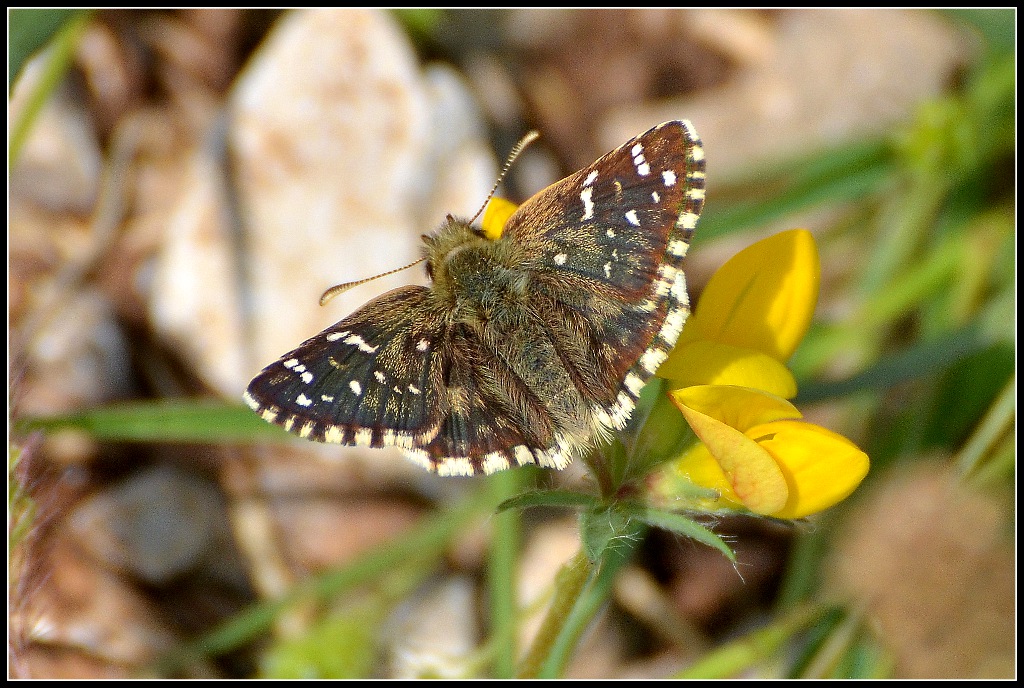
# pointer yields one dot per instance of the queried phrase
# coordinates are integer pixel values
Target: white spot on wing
(652, 359)
(357, 341)
(632, 218)
(688, 220)
(495, 461)
(670, 177)
(420, 457)
(634, 384)
(678, 290)
(673, 325)
(523, 455)
(454, 466)
(303, 400)
(588, 204)
(356, 388)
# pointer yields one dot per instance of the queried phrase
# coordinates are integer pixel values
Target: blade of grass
(741, 654)
(912, 363)
(56, 65)
(997, 422)
(502, 568)
(28, 31)
(163, 421)
(834, 176)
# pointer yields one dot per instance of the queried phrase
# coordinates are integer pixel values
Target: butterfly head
(454, 247)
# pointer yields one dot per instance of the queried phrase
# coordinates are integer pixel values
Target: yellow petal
(498, 211)
(763, 298)
(752, 472)
(708, 363)
(820, 467)
(738, 407)
(700, 468)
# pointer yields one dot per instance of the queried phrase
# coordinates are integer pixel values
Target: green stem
(569, 584)
(582, 589)
(592, 599)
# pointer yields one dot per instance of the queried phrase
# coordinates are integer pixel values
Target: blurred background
(183, 185)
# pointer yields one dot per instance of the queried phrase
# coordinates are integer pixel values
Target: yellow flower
(496, 215)
(728, 377)
(751, 317)
(757, 454)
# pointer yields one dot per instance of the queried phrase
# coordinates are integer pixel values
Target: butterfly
(524, 348)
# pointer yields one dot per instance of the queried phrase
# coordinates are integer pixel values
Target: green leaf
(557, 498)
(677, 523)
(817, 637)
(582, 590)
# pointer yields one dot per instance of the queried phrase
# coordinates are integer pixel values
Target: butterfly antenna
(345, 286)
(516, 150)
